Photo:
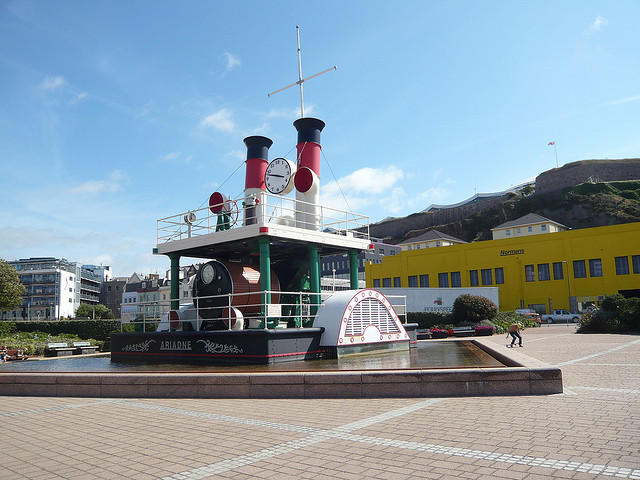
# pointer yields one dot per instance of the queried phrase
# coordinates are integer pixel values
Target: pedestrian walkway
(589, 432)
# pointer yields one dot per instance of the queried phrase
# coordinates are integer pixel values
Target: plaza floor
(590, 431)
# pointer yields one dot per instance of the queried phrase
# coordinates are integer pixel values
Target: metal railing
(262, 209)
(261, 309)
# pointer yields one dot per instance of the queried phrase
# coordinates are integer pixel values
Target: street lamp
(334, 280)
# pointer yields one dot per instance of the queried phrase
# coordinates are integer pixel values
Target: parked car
(534, 316)
(562, 316)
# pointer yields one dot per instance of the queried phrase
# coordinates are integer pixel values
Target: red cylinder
(246, 280)
(257, 154)
(309, 156)
(308, 146)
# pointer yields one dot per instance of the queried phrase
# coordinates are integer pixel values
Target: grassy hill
(583, 206)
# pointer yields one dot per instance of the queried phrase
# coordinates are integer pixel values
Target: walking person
(514, 331)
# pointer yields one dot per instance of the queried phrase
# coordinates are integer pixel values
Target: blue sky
(114, 114)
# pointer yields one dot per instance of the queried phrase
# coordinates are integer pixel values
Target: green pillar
(353, 268)
(175, 281)
(314, 277)
(265, 274)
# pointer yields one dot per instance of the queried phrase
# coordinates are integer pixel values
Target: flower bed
(438, 333)
(483, 331)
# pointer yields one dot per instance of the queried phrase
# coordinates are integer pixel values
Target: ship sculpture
(257, 297)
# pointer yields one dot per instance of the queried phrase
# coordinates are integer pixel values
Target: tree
(11, 290)
(473, 308)
(86, 310)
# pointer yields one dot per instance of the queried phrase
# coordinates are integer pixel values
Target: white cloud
(363, 188)
(51, 84)
(369, 180)
(112, 184)
(232, 61)
(220, 120)
(597, 25)
(177, 157)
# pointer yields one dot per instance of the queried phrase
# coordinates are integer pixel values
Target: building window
(473, 278)
(456, 281)
(413, 281)
(517, 230)
(543, 228)
(386, 282)
(109, 288)
(529, 229)
(382, 251)
(543, 272)
(635, 262)
(499, 276)
(579, 269)
(507, 233)
(443, 280)
(487, 277)
(595, 267)
(622, 265)
(558, 271)
(376, 283)
(409, 247)
(529, 273)
(424, 281)
(396, 282)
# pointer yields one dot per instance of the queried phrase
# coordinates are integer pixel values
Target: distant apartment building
(54, 288)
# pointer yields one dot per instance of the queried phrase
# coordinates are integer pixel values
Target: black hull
(222, 347)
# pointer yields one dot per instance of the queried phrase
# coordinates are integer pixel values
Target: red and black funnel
(309, 150)
(257, 160)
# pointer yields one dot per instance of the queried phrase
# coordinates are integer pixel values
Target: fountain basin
(518, 375)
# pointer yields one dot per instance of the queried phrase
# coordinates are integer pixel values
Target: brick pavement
(590, 431)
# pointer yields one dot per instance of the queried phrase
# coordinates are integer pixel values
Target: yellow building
(568, 269)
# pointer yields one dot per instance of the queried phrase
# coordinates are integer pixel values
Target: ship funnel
(307, 177)
(254, 187)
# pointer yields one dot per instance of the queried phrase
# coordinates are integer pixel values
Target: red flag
(551, 143)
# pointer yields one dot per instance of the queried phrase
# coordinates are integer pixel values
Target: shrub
(473, 308)
(630, 194)
(602, 321)
(428, 319)
(618, 314)
(84, 329)
(611, 303)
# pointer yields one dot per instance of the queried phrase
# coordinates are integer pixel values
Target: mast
(300, 79)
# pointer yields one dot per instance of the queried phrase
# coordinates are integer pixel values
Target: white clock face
(277, 178)
(207, 274)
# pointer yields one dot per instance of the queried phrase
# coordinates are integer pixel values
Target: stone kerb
(523, 376)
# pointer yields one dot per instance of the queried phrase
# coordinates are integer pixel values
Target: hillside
(582, 206)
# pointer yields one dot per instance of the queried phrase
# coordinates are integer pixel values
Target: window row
(446, 279)
(622, 265)
(581, 268)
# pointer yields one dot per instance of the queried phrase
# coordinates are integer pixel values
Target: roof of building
(478, 197)
(432, 235)
(529, 219)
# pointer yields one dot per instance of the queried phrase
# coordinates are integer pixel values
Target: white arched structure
(356, 321)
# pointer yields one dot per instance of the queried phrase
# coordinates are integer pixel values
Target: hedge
(85, 329)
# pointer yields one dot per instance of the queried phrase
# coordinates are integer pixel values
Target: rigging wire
(233, 173)
(336, 180)
(222, 184)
